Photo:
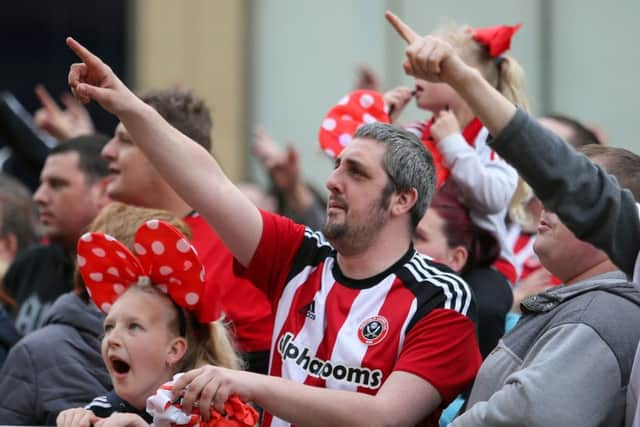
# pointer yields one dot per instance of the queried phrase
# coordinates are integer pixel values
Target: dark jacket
(111, 403)
(589, 201)
(8, 335)
(56, 367)
(36, 278)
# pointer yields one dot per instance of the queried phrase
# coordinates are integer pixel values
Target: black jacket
(36, 278)
(8, 335)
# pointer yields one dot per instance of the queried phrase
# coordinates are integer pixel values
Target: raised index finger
(405, 31)
(46, 100)
(83, 53)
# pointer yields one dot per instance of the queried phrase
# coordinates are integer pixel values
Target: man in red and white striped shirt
(367, 331)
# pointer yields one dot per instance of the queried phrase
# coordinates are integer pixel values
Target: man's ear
(99, 193)
(402, 203)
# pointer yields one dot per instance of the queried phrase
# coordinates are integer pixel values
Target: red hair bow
(343, 120)
(497, 39)
(164, 257)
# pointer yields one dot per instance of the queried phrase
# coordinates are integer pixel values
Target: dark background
(32, 34)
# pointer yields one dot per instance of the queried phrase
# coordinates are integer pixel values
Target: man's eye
(56, 184)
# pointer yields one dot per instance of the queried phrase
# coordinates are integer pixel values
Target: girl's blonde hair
(209, 344)
(518, 212)
(504, 72)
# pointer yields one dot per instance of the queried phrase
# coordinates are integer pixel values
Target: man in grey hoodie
(568, 361)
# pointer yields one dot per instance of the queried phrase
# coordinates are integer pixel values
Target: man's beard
(350, 239)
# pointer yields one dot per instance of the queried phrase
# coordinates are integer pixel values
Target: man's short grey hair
(407, 162)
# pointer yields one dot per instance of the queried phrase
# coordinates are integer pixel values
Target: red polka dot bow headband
(164, 258)
(344, 119)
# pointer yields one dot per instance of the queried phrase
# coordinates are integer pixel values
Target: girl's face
(436, 97)
(138, 347)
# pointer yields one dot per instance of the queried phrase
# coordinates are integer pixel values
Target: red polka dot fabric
(343, 120)
(163, 256)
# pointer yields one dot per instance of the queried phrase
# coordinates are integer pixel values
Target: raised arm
(188, 168)
(433, 59)
(590, 202)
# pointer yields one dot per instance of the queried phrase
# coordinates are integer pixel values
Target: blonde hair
(518, 212)
(504, 73)
(207, 343)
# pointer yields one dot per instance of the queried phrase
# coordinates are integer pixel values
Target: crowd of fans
(479, 268)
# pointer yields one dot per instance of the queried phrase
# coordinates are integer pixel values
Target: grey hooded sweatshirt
(587, 199)
(56, 367)
(566, 363)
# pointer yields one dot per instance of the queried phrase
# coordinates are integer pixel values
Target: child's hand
(444, 125)
(397, 99)
(121, 420)
(75, 417)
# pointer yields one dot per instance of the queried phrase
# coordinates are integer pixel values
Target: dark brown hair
(184, 110)
(482, 246)
(621, 163)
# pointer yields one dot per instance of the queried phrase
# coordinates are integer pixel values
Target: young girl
(154, 326)
(456, 139)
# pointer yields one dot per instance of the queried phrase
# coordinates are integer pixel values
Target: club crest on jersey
(373, 330)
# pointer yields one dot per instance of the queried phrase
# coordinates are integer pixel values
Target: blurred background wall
(282, 63)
